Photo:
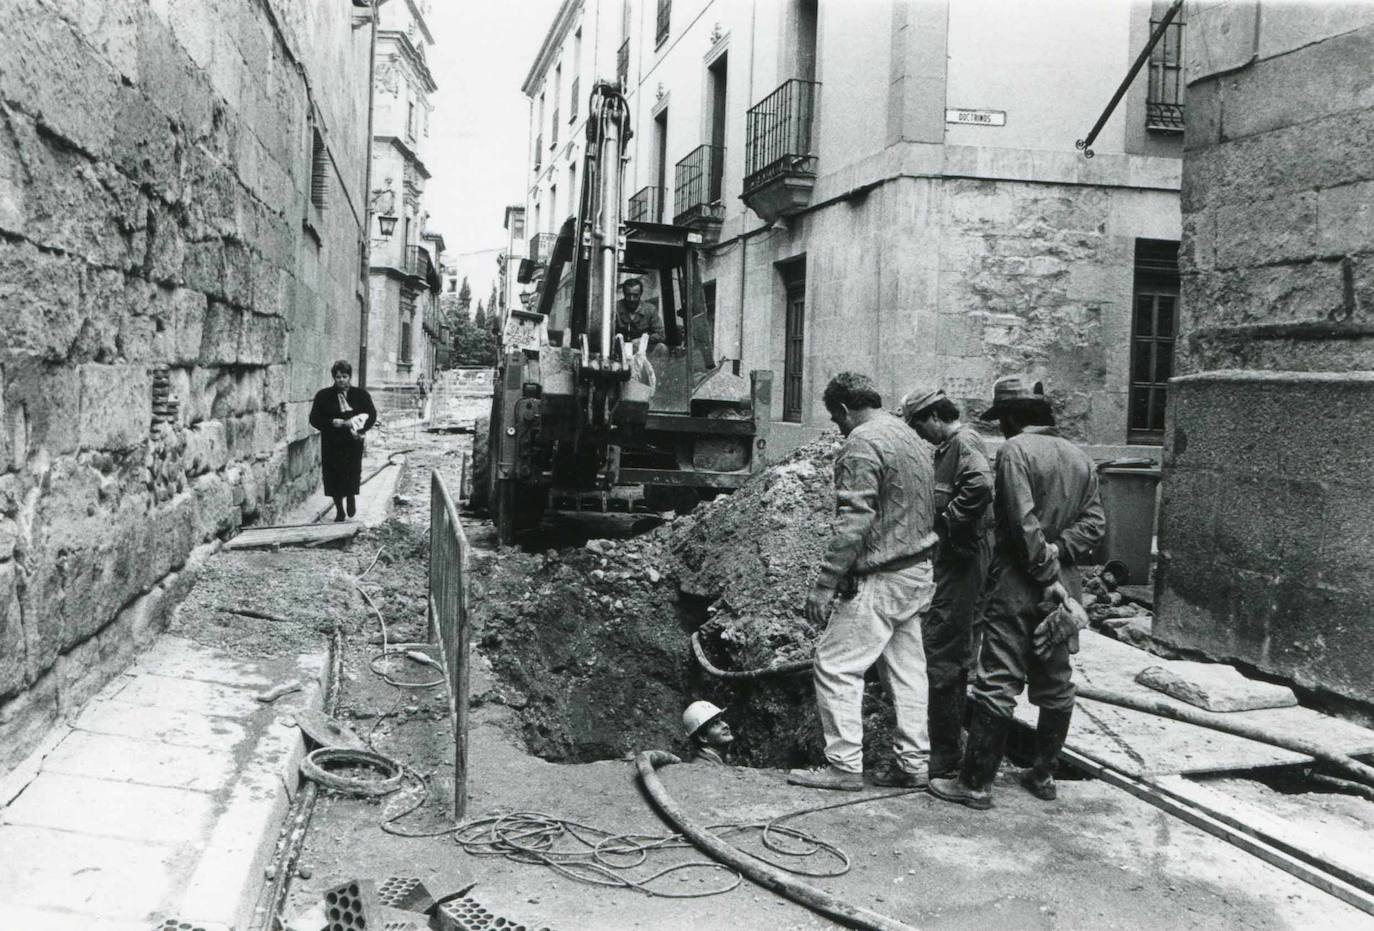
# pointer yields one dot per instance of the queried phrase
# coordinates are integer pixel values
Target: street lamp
(386, 225)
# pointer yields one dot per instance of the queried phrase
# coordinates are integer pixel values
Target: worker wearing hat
(1047, 518)
(708, 731)
(963, 520)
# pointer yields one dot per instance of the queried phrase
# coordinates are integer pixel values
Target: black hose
(759, 872)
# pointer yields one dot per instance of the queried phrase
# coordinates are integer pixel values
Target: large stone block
(1345, 218)
(12, 660)
(1281, 228)
(262, 340)
(40, 300)
(206, 448)
(220, 332)
(40, 54)
(25, 720)
(177, 87)
(116, 406)
(216, 512)
(111, 27)
(43, 401)
(1223, 36)
(1288, 293)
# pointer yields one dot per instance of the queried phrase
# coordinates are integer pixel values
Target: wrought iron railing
(538, 151)
(665, 16)
(572, 101)
(778, 134)
(448, 623)
(646, 205)
(697, 185)
(622, 65)
(1164, 100)
(418, 262)
(541, 247)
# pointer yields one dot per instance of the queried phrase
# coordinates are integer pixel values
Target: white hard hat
(698, 715)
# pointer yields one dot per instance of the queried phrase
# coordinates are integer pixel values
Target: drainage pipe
(1361, 772)
(756, 870)
(781, 669)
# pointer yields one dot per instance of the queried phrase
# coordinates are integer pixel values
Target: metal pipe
(366, 244)
(1086, 144)
(611, 173)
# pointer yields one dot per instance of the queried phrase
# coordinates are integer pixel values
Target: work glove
(1062, 624)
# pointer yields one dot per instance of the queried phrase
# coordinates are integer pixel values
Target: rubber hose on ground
(781, 669)
(767, 876)
(1217, 722)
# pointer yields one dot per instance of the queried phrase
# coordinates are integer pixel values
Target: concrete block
(25, 719)
(179, 728)
(41, 294)
(111, 876)
(1215, 687)
(1345, 218)
(116, 406)
(124, 759)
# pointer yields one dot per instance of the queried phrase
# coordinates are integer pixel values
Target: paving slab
(178, 727)
(126, 759)
(185, 659)
(112, 877)
(46, 919)
(108, 808)
(1140, 744)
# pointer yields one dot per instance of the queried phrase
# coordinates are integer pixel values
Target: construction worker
(963, 520)
(1047, 518)
(877, 577)
(636, 316)
(708, 731)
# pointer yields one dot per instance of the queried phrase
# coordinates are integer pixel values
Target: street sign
(976, 117)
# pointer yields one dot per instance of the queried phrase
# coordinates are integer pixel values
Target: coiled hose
(767, 876)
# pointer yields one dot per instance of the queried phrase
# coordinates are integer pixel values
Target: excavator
(608, 394)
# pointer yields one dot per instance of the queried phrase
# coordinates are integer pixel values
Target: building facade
(404, 275)
(893, 187)
(1267, 521)
(182, 201)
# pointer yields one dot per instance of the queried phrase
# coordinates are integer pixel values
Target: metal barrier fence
(448, 622)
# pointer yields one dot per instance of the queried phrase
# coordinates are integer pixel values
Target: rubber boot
(987, 738)
(1051, 729)
(945, 719)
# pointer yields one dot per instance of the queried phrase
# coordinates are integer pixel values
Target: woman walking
(342, 414)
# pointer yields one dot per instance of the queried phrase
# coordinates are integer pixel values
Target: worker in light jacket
(877, 577)
(1047, 518)
(963, 520)
(343, 414)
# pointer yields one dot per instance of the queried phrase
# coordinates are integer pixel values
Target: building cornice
(408, 153)
(553, 41)
(420, 21)
(412, 56)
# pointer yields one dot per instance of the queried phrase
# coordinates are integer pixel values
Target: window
(557, 96)
(1164, 103)
(718, 75)
(665, 15)
(319, 170)
(410, 121)
(572, 190)
(661, 165)
(1154, 327)
(577, 76)
(794, 338)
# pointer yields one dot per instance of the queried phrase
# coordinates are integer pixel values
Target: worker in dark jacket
(1047, 518)
(963, 520)
(877, 576)
(342, 414)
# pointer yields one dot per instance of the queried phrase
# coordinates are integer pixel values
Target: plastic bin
(1130, 497)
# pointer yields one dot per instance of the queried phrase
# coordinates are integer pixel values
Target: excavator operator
(635, 315)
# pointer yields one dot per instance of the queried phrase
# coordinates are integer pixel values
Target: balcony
(646, 206)
(779, 158)
(420, 266)
(697, 190)
(538, 151)
(572, 101)
(541, 247)
(622, 65)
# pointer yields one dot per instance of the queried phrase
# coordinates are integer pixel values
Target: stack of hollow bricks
(154, 174)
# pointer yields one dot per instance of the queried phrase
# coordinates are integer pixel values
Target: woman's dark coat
(341, 453)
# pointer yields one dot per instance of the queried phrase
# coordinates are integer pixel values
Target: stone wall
(957, 281)
(169, 298)
(1266, 528)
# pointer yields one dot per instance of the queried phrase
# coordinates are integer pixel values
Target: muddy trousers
(880, 623)
(1007, 662)
(947, 636)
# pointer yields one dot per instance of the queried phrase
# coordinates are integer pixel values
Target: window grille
(319, 171)
(1164, 103)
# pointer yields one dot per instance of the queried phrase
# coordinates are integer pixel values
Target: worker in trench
(963, 521)
(1047, 518)
(877, 577)
(708, 731)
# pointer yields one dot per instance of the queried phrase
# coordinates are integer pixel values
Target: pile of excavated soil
(591, 644)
